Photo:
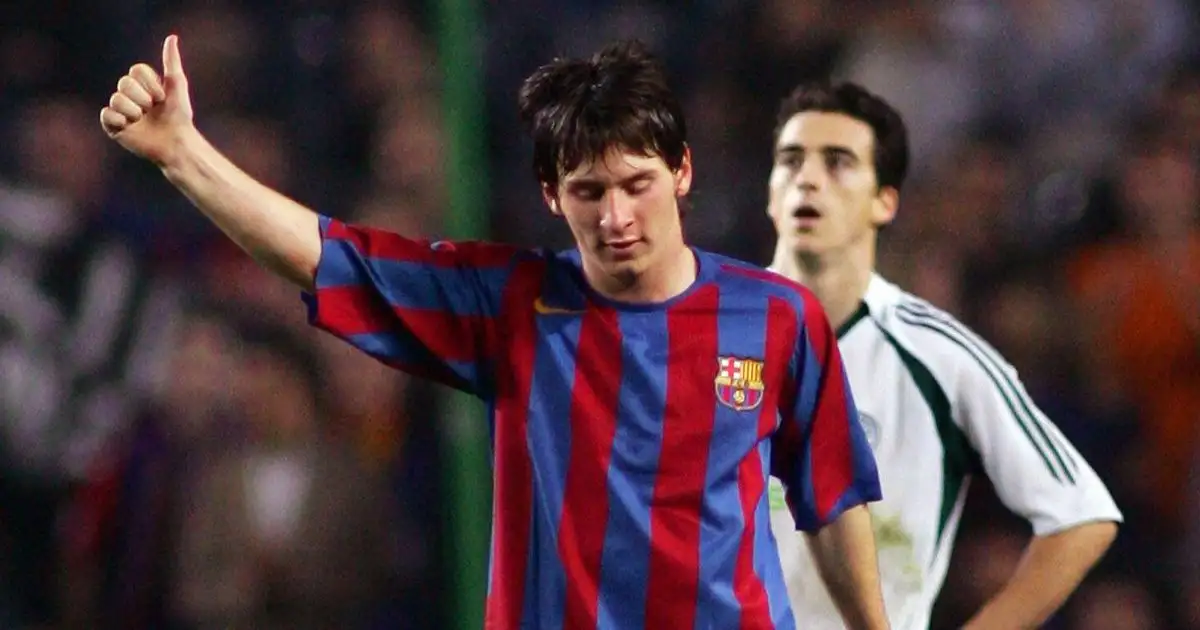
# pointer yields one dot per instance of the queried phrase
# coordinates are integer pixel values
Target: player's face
(824, 195)
(623, 210)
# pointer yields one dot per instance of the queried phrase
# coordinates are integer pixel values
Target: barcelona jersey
(631, 443)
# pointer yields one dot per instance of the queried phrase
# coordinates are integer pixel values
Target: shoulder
(738, 277)
(946, 346)
(374, 242)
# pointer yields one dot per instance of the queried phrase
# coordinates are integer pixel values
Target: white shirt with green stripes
(938, 404)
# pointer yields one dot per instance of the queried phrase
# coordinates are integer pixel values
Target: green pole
(467, 475)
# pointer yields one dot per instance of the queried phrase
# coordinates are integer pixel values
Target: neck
(660, 281)
(839, 281)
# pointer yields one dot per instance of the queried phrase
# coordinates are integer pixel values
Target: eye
(639, 186)
(838, 161)
(790, 159)
(588, 192)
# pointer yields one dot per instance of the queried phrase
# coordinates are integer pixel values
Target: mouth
(805, 217)
(621, 245)
(622, 249)
(806, 212)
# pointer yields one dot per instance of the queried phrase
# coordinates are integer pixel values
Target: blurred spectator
(1115, 603)
(289, 530)
(910, 54)
(121, 527)
(1139, 295)
(224, 48)
(407, 157)
(83, 327)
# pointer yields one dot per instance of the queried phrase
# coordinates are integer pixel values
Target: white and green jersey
(937, 404)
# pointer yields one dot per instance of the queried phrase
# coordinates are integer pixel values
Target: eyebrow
(584, 180)
(835, 149)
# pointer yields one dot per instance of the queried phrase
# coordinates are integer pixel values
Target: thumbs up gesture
(149, 113)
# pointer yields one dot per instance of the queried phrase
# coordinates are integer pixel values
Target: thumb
(172, 62)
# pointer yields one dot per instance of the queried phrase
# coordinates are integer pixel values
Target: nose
(811, 174)
(616, 211)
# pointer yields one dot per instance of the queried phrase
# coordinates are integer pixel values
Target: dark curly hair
(577, 109)
(851, 99)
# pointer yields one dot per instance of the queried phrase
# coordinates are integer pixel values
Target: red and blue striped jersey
(631, 444)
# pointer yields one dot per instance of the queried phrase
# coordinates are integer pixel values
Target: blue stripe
(865, 485)
(741, 326)
(403, 347)
(491, 550)
(459, 290)
(624, 565)
(549, 435)
(808, 375)
(766, 554)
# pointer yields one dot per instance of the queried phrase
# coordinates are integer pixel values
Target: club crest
(739, 383)
(870, 427)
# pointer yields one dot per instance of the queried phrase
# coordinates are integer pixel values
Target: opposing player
(937, 403)
(641, 390)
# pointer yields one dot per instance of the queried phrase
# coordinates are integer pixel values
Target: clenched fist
(149, 114)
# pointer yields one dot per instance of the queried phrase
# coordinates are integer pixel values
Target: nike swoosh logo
(545, 309)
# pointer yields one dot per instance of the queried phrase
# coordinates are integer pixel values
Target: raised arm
(151, 116)
(433, 309)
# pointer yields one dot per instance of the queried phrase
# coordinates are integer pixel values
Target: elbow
(1093, 538)
(1102, 535)
(1105, 533)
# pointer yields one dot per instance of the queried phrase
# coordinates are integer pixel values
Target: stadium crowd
(179, 449)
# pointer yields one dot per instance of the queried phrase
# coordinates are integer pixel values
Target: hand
(148, 114)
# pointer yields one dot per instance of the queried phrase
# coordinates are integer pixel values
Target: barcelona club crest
(739, 383)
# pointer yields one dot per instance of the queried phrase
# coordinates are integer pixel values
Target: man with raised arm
(640, 390)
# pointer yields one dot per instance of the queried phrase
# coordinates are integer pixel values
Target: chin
(627, 269)
(614, 267)
(807, 246)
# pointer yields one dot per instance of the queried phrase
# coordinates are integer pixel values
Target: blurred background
(179, 450)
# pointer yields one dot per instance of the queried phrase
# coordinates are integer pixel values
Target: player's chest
(649, 348)
(893, 394)
(663, 372)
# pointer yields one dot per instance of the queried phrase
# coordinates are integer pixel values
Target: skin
(623, 210)
(825, 161)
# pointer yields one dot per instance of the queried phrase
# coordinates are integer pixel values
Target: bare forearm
(845, 555)
(279, 233)
(1051, 569)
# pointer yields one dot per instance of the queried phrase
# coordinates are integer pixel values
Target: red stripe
(512, 504)
(829, 437)
(683, 462)
(346, 311)
(593, 427)
(451, 337)
(357, 310)
(747, 584)
(375, 243)
(352, 310)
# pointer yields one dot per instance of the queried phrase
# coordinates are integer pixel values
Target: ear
(683, 175)
(887, 202)
(550, 196)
